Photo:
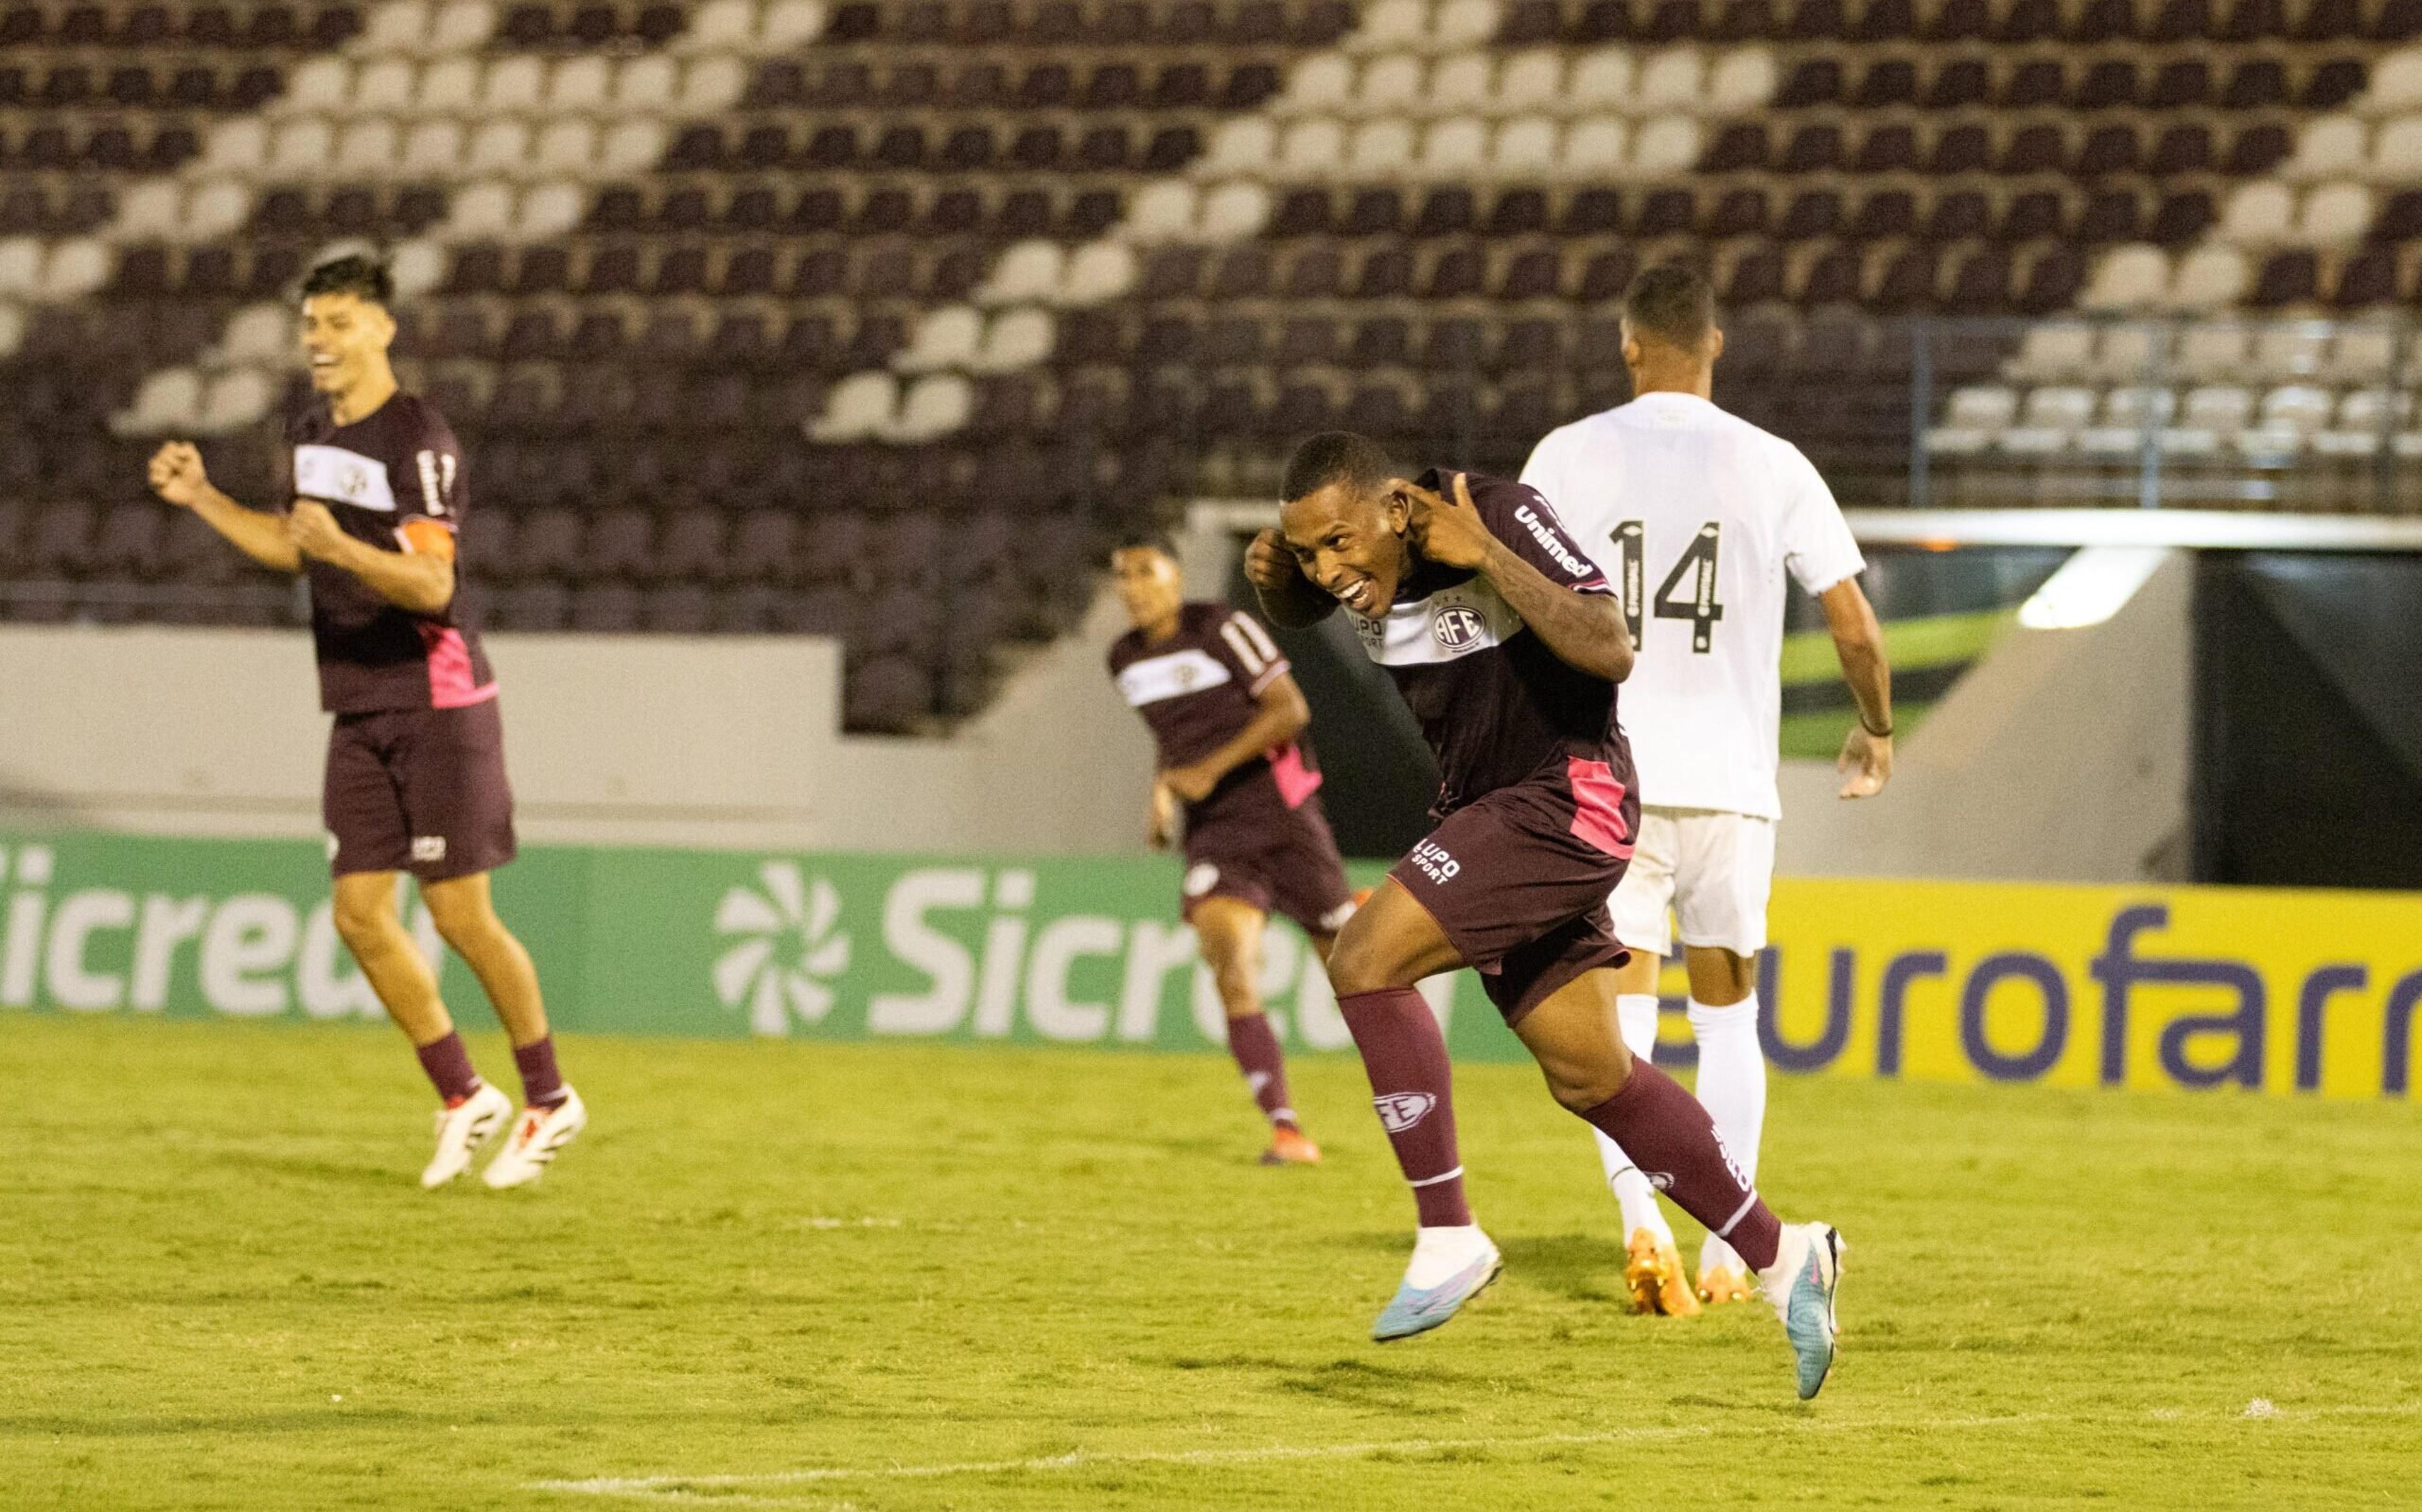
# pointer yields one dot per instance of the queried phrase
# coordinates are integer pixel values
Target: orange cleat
(1288, 1146)
(1653, 1271)
(1726, 1284)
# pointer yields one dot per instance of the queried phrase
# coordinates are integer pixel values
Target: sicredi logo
(1457, 627)
(787, 946)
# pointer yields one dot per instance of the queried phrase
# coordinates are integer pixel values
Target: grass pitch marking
(719, 1487)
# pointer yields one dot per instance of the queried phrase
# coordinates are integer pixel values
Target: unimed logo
(789, 945)
(99, 948)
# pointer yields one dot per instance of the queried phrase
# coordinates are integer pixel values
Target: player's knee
(462, 921)
(1579, 1092)
(362, 919)
(1360, 961)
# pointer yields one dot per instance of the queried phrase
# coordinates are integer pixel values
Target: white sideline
(680, 1488)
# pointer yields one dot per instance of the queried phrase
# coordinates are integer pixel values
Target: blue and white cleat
(1801, 1284)
(1419, 1309)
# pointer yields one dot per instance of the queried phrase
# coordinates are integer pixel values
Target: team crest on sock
(1400, 1111)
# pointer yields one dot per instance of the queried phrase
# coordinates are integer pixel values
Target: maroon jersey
(395, 466)
(1495, 704)
(1197, 690)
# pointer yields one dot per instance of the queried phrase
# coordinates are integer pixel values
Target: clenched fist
(177, 474)
(1270, 566)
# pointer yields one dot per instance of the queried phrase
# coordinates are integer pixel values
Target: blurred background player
(1506, 643)
(1668, 483)
(1235, 780)
(416, 776)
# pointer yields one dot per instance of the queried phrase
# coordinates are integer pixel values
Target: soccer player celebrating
(1506, 643)
(415, 777)
(1671, 477)
(1228, 721)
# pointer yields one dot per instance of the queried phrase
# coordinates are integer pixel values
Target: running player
(1506, 643)
(416, 778)
(1229, 722)
(1669, 478)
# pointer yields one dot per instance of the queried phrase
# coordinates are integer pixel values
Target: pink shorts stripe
(1297, 782)
(1597, 806)
(449, 670)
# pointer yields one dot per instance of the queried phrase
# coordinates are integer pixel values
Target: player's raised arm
(419, 578)
(1866, 759)
(1584, 627)
(177, 476)
(1288, 597)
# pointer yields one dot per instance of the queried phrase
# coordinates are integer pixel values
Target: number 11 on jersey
(1698, 560)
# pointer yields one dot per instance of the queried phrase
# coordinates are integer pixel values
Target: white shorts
(1713, 869)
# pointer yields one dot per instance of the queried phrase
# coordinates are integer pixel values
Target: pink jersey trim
(1270, 674)
(449, 670)
(1297, 782)
(1597, 806)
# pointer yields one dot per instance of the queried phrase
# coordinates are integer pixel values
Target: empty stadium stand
(879, 318)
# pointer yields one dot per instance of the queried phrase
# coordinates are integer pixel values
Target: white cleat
(538, 1133)
(462, 1131)
(1801, 1285)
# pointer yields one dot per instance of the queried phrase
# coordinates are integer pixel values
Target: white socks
(1637, 1014)
(1440, 1252)
(1732, 1088)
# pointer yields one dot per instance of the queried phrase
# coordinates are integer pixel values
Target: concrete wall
(642, 739)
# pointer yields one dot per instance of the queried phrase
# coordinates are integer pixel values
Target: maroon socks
(542, 1083)
(448, 1065)
(1404, 1057)
(1256, 1049)
(1669, 1136)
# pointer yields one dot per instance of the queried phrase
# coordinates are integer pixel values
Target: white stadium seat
(238, 147)
(21, 265)
(1311, 148)
(935, 405)
(2361, 354)
(483, 211)
(1455, 146)
(2285, 352)
(718, 25)
(2051, 351)
(323, 83)
(418, 266)
(584, 83)
(1597, 147)
(384, 84)
(2397, 151)
(784, 25)
(393, 26)
(260, 335)
(1379, 147)
(1242, 146)
(647, 83)
(857, 407)
(12, 330)
(449, 85)
(2301, 407)
(711, 85)
(2210, 277)
(1395, 84)
(1097, 272)
(947, 337)
(433, 149)
(1983, 407)
(1665, 146)
(76, 268)
(460, 26)
(2329, 146)
(631, 146)
(1602, 80)
(2122, 352)
(567, 145)
(2335, 213)
(548, 211)
(167, 400)
(2396, 84)
(301, 147)
(1532, 79)
(1674, 79)
(1164, 209)
(1314, 86)
(151, 210)
(1389, 25)
(514, 83)
(1028, 273)
(1015, 339)
(1465, 24)
(2058, 407)
(214, 209)
(499, 147)
(1234, 211)
(2257, 213)
(1464, 82)
(2214, 351)
(370, 149)
(236, 400)
(1527, 146)
(1742, 80)
(2222, 406)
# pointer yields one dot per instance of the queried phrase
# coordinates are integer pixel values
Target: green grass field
(888, 1277)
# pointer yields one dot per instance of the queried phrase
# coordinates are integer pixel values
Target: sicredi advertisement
(2149, 988)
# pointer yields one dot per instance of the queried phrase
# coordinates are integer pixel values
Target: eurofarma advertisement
(2150, 988)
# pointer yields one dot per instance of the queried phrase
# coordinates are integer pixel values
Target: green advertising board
(1064, 950)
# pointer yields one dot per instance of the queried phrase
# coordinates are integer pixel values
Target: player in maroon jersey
(1228, 721)
(1506, 643)
(416, 776)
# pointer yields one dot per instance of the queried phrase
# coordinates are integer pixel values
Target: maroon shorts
(1520, 887)
(422, 790)
(1280, 866)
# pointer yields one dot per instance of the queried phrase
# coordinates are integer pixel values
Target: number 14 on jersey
(1697, 563)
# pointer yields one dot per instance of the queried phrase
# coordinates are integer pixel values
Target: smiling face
(1149, 585)
(1350, 543)
(345, 339)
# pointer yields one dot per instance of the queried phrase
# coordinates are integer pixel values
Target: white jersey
(1695, 515)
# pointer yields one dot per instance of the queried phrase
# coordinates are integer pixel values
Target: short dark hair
(1149, 539)
(363, 276)
(1671, 303)
(1335, 457)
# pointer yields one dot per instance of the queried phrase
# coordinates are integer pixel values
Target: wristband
(1872, 733)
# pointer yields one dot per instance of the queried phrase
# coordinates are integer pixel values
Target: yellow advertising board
(2153, 988)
